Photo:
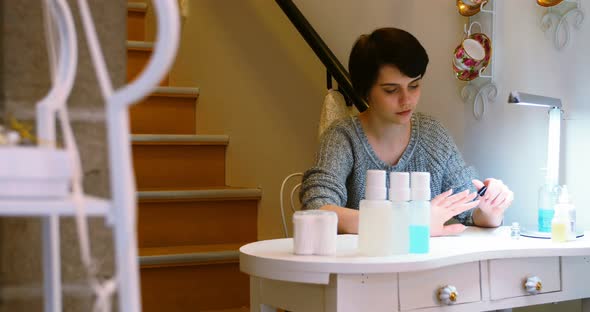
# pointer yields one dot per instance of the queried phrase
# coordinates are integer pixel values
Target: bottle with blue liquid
(546, 205)
(420, 212)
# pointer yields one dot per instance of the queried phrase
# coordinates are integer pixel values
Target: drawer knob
(533, 285)
(448, 294)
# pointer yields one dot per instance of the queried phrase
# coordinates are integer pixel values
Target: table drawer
(507, 276)
(420, 289)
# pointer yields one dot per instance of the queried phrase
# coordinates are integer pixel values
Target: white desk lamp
(553, 138)
(554, 105)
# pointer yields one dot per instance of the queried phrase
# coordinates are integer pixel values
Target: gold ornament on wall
(470, 7)
(548, 3)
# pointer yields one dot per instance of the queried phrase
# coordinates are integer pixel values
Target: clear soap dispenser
(399, 195)
(375, 236)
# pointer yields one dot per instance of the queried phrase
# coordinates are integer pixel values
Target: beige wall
(24, 79)
(517, 135)
(262, 85)
(436, 24)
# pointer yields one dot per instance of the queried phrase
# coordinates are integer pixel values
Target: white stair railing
(63, 52)
(123, 187)
(120, 211)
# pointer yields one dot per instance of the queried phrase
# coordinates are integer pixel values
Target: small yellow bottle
(559, 225)
(559, 232)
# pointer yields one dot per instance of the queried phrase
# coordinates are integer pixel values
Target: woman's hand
(493, 203)
(445, 206)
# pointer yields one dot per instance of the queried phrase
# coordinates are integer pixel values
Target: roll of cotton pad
(303, 232)
(314, 232)
(327, 229)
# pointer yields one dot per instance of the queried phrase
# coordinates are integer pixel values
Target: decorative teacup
(470, 7)
(548, 3)
(473, 2)
(469, 54)
(467, 70)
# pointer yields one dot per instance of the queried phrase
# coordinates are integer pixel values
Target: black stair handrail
(322, 51)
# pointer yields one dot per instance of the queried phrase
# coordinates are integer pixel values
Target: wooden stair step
(193, 278)
(138, 53)
(136, 12)
(179, 161)
(242, 309)
(197, 216)
(168, 110)
(137, 6)
(175, 255)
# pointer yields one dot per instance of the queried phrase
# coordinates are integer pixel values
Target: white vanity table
(487, 268)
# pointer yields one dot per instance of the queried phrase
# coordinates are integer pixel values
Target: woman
(386, 68)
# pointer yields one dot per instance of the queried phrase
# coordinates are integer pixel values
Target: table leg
(255, 305)
(586, 305)
(51, 264)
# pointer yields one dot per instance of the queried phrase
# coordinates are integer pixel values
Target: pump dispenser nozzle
(564, 196)
(399, 186)
(420, 182)
(375, 188)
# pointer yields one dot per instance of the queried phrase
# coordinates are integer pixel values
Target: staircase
(190, 224)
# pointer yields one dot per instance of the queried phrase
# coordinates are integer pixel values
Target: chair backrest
(294, 186)
(333, 108)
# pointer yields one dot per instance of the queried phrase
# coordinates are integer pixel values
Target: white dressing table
(487, 268)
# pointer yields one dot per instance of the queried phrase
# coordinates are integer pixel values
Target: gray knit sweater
(345, 155)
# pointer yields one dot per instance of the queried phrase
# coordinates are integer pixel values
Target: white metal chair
(292, 203)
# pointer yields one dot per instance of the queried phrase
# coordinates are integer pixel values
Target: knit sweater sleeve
(325, 182)
(457, 175)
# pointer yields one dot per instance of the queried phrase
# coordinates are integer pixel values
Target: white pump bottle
(420, 213)
(375, 217)
(399, 195)
(564, 203)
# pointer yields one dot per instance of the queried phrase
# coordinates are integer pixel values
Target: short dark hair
(384, 46)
